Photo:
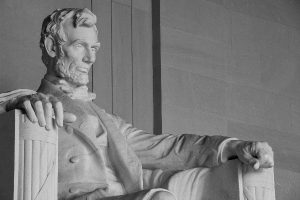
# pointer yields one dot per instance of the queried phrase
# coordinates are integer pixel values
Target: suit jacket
(81, 167)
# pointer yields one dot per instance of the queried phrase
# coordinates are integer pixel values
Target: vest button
(74, 159)
(74, 190)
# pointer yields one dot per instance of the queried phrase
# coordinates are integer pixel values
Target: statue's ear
(50, 47)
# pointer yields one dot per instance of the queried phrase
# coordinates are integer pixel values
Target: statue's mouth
(83, 70)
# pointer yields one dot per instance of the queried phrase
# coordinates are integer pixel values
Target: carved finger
(59, 113)
(249, 159)
(48, 111)
(57, 110)
(245, 153)
(39, 110)
(29, 111)
(48, 115)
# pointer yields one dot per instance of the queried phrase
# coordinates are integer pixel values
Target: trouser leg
(150, 194)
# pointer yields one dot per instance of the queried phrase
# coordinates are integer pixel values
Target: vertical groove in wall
(157, 107)
(111, 57)
(92, 65)
(132, 90)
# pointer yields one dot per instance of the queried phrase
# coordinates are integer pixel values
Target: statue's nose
(89, 57)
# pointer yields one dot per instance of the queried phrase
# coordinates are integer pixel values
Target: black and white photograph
(149, 99)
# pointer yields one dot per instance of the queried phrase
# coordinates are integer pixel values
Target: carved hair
(52, 27)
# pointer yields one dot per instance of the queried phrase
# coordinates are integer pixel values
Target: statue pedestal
(28, 166)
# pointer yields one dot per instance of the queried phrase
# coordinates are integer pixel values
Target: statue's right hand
(41, 108)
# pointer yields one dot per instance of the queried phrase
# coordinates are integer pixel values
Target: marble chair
(28, 168)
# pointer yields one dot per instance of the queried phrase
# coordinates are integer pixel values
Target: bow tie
(80, 92)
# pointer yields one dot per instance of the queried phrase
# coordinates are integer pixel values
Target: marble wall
(232, 67)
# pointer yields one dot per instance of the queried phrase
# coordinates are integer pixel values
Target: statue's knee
(163, 195)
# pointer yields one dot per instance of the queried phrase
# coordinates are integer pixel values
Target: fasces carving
(37, 169)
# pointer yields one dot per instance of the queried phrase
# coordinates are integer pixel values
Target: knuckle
(259, 145)
(48, 105)
(38, 103)
(53, 98)
(26, 103)
(262, 145)
(265, 143)
(34, 97)
(38, 94)
(58, 104)
(42, 95)
(254, 145)
(38, 106)
(266, 146)
(45, 100)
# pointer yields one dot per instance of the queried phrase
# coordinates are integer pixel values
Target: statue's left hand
(256, 154)
(41, 108)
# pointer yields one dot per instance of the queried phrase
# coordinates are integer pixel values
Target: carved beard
(70, 73)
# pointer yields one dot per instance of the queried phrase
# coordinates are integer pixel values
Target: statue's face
(79, 51)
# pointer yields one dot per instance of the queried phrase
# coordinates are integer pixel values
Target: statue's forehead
(84, 33)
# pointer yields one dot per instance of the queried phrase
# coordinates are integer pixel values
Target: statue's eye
(78, 45)
(95, 49)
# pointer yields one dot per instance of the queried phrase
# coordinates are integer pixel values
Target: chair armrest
(29, 158)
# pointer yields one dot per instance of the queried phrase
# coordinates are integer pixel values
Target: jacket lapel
(123, 158)
(69, 106)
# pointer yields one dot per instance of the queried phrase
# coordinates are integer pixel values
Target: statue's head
(69, 42)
